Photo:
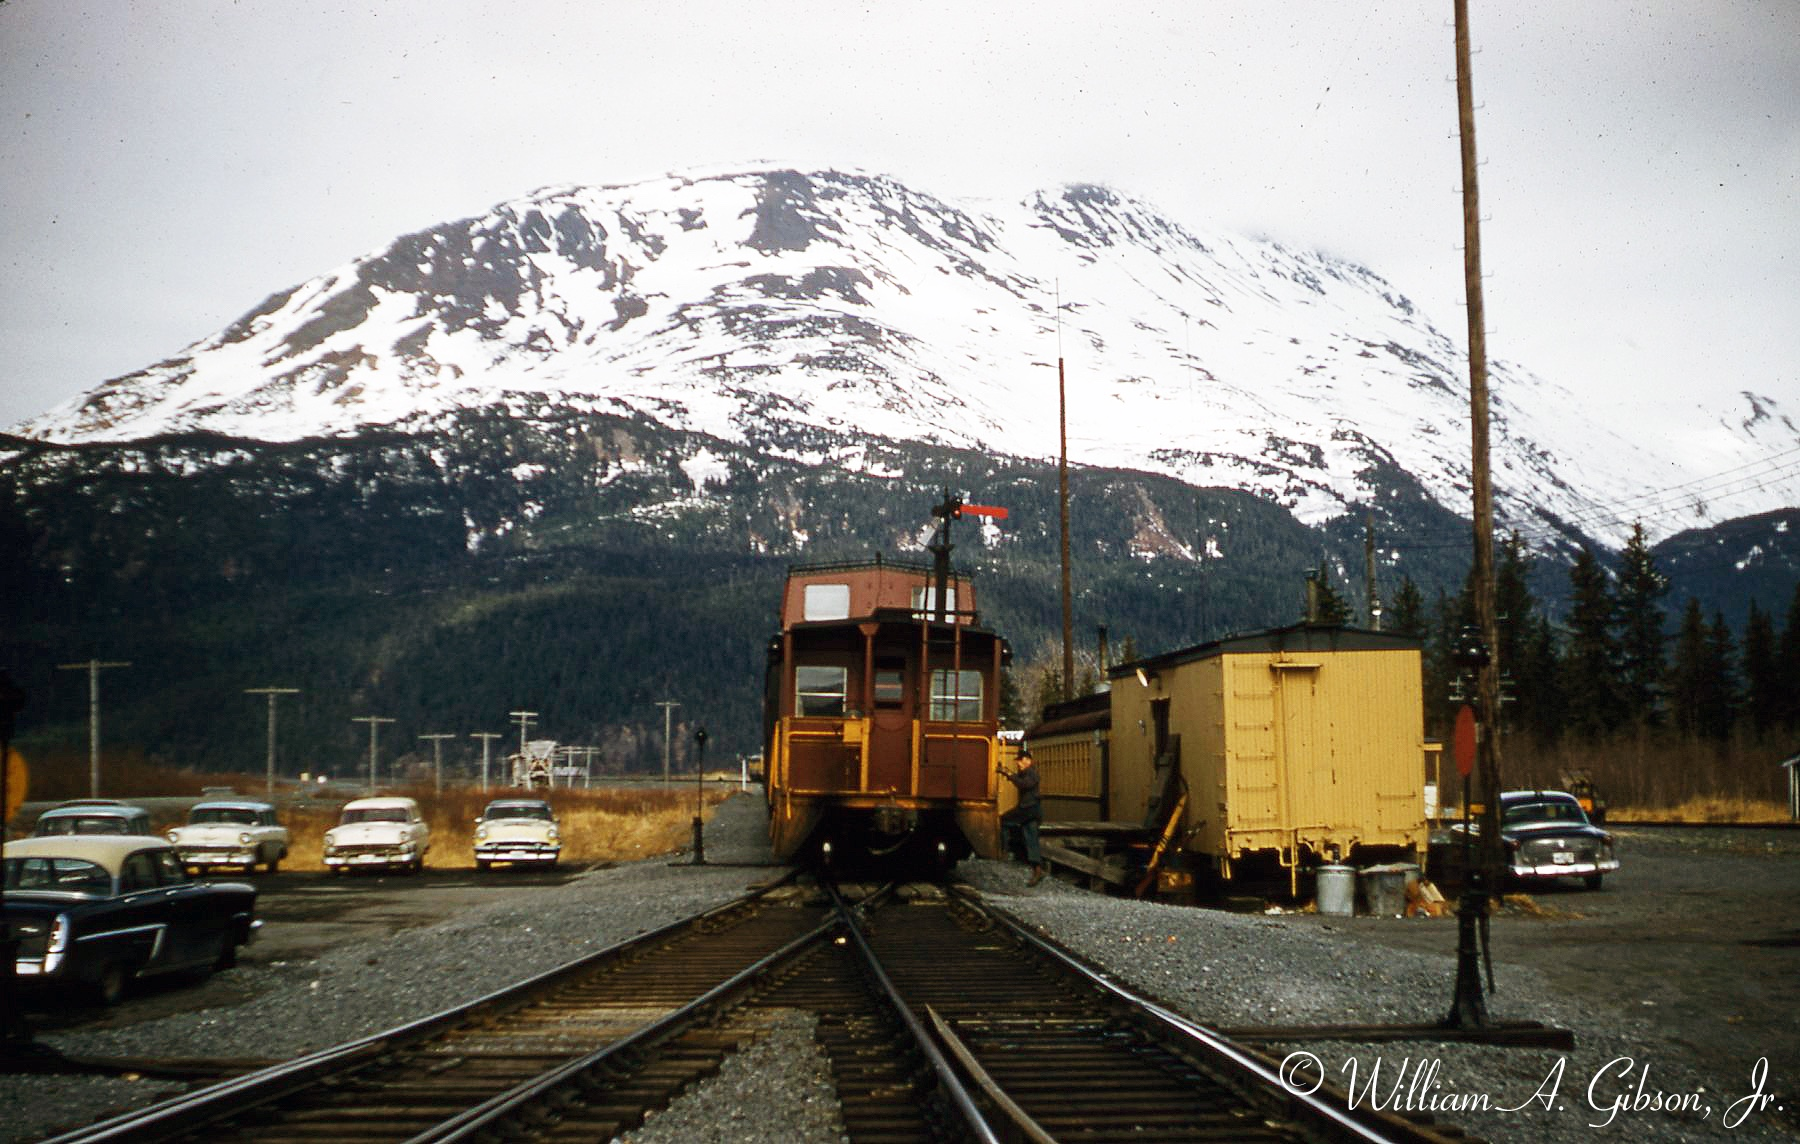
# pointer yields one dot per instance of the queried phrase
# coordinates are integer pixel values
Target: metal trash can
(1337, 891)
(1384, 889)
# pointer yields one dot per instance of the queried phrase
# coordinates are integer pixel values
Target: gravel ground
(1222, 969)
(356, 989)
(1242, 970)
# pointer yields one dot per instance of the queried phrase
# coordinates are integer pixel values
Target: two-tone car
(92, 816)
(242, 833)
(1548, 836)
(93, 912)
(518, 830)
(378, 834)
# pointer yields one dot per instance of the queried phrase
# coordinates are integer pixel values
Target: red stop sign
(1463, 744)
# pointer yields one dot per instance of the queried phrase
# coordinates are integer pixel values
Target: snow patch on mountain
(804, 314)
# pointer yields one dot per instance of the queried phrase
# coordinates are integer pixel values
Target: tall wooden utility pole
(374, 722)
(1374, 596)
(487, 751)
(1468, 1006)
(437, 758)
(272, 693)
(668, 708)
(1062, 491)
(93, 667)
(1487, 757)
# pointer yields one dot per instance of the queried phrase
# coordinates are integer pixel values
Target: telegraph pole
(271, 692)
(668, 706)
(1468, 1008)
(1374, 596)
(374, 722)
(523, 719)
(487, 746)
(1062, 489)
(93, 667)
(437, 758)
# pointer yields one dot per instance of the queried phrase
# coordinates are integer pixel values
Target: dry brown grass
(602, 825)
(1644, 776)
(1713, 809)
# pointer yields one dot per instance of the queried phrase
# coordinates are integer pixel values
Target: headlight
(330, 837)
(553, 835)
(174, 836)
(480, 833)
(244, 838)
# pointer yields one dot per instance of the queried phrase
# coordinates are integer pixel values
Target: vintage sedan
(231, 832)
(92, 816)
(1548, 836)
(519, 830)
(378, 834)
(92, 913)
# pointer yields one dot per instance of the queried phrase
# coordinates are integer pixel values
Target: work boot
(1037, 875)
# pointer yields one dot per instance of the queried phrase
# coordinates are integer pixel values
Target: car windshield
(69, 875)
(1550, 810)
(80, 824)
(374, 814)
(221, 816)
(519, 810)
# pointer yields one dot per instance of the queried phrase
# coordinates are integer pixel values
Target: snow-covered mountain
(803, 313)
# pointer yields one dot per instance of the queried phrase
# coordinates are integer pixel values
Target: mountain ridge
(802, 312)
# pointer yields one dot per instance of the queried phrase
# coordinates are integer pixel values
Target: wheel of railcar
(1593, 881)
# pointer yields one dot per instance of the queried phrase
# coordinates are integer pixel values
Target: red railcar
(882, 705)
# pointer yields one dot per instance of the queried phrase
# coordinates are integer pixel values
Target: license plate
(1563, 858)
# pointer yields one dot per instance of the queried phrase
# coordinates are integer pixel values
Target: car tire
(274, 864)
(228, 955)
(1592, 881)
(483, 864)
(109, 987)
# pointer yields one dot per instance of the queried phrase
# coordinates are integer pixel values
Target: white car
(517, 830)
(231, 832)
(378, 833)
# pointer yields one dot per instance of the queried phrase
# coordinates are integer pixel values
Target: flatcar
(881, 713)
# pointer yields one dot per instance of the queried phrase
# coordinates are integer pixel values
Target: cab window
(138, 873)
(820, 691)
(956, 696)
(169, 870)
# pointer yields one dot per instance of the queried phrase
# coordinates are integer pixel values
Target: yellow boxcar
(1301, 744)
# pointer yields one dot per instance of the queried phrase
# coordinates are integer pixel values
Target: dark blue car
(92, 913)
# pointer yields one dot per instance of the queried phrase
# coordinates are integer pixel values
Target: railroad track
(941, 1021)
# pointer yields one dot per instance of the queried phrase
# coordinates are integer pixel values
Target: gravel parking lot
(1688, 963)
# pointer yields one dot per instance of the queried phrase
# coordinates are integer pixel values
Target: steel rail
(490, 1115)
(949, 1083)
(240, 1094)
(1369, 1125)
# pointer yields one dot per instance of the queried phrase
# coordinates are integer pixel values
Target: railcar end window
(820, 690)
(924, 600)
(890, 686)
(827, 602)
(956, 695)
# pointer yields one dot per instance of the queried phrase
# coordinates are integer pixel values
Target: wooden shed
(1293, 746)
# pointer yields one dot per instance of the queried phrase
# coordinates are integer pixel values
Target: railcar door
(892, 720)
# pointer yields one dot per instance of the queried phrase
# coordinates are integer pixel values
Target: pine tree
(1514, 608)
(1543, 706)
(1331, 609)
(1407, 614)
(1762, 672)
(1687, 671)
(1721, 701)
(1590, 666)
(1788, 666)
(1642, 662)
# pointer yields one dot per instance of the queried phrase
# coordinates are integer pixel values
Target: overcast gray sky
(165, 166)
